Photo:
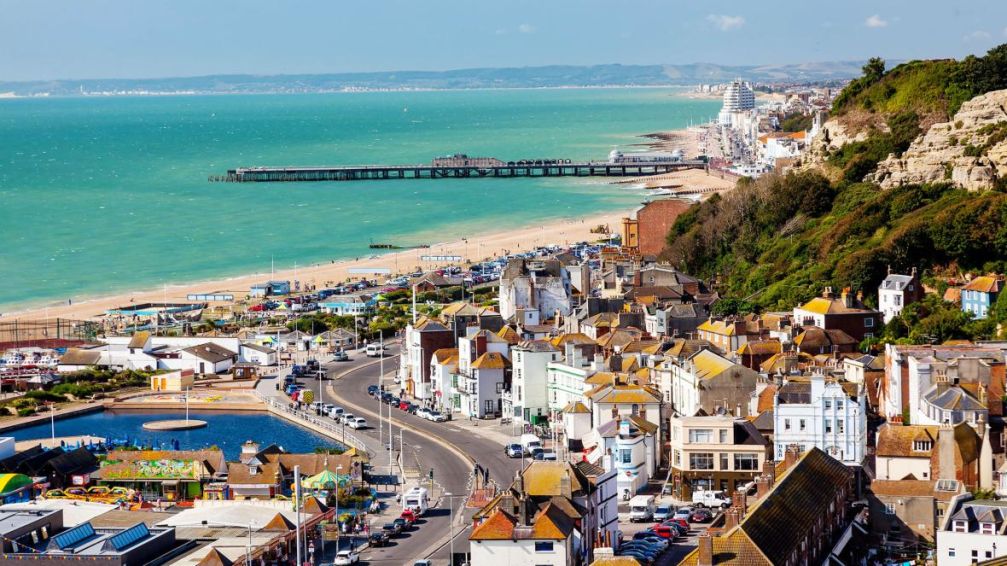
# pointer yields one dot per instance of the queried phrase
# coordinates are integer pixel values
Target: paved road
(424, 444)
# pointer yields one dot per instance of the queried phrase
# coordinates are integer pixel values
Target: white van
(641, 508)
(416, 499)
(707, 498)
(529, 442)
(373, 350)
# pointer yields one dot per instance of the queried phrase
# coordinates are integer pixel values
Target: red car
(701, 516)
(680, 522)
(664, 531)
(404, 405)
(409, 516)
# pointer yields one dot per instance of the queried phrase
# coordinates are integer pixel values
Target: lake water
(228, 431)
(105, 195)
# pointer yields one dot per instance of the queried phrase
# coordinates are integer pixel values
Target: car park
(684, 523)
(514, 450)
(640, 556)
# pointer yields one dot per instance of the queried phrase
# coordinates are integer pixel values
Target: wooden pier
(552, 168)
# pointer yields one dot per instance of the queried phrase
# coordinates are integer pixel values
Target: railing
(328, 425)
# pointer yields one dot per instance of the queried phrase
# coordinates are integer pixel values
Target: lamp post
(338, 527)
(451, 526)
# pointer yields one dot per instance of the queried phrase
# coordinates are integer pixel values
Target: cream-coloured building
(715, 452)
(175, 381)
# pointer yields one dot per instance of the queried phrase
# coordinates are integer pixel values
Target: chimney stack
(705, 557)
(740, 503)
(762, 486)
(564, 486)
(791, 456)
(730, 519)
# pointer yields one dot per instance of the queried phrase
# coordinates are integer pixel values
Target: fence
(37, 332)
(309, 419)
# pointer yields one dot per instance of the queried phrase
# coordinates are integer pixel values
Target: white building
(632, 442)
(823, 413)
(738, 99)
(539, 283)
(529, 382)
(443, 375)
(255, 354)
(972, 531)
(895, 292)
(481, 385)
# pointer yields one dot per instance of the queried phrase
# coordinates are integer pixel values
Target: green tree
(874, 70)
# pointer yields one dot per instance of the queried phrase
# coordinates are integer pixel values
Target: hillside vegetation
(778, 241)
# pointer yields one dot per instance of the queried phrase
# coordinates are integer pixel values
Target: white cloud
(875, 21)
(501, 31)
(978, 35)
(526, 28)
(725, 23)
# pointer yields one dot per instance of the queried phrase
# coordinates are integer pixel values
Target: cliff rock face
(970, 151)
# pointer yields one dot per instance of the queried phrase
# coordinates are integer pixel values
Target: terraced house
(706, 381)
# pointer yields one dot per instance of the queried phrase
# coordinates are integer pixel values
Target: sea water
(110, 194)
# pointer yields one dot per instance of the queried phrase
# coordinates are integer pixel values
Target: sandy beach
(474, 248)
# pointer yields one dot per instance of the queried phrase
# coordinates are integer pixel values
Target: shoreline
(553, 231)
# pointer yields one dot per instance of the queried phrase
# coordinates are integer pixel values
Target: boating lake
(228, 431)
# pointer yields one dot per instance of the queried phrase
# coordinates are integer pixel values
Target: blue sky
(48, 39)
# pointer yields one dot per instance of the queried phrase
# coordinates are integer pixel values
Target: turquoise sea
(103, 195)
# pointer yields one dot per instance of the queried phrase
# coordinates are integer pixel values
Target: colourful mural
(164, 469)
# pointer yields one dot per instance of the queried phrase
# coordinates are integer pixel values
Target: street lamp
(451, 526)
(338, 527)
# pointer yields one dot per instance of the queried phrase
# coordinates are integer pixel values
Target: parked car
(683, 513)
(537, 454)
(373, 389)
(409, 516)
(662, 512)
(423, 412)
(403, 405)
(423, 562)
(345, 558)
(402, 523)
(437, 417)
(340, 356)
(701, 516)
(513, 450)
(684, 523)
(357, 423)
(379, 538)
(345, 418)
(391, 528)
(665, 532)
(548, 455)
(709, 498)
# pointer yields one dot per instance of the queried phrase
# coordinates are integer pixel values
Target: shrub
(26, 412)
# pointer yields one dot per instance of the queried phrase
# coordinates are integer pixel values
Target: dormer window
(961, 526)
(987, 528)
(922, 446)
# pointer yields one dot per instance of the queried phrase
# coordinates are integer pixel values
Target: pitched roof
(985, 284)
(798, 499)
(903, 488)
(509, 334)
(896, 282)
(498, 526)
(576, 407)
(138, 339)
(683, 348)
(708, 364)
(551, 524)
(279, 523)
(543, 479)
(445, 355)
(815, 339)
(760, 348)
(834, 305)
(896, 441)
(572, 338)
(214, 558)
(210, 352)
(491, 360)
(624, 394)
(79, 357)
